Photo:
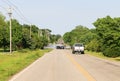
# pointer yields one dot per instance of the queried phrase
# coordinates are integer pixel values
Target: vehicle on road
(60, 46)
(78, 47)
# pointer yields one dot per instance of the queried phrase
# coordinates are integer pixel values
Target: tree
(77, 35)
(16, 34)
(54, 38)
(94, 45)
(21, 36)
(67, 38)
(4, 34)
(26, 41)
(108, 30)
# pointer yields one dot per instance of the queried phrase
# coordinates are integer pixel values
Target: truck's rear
(78, 47)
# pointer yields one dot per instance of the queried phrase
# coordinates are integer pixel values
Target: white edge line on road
(21, 72)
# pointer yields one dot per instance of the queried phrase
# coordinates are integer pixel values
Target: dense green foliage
(22, 39)
(21, 36)
(108, 29)
(79, 34)
(104, 38)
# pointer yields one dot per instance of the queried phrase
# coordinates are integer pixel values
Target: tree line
(23, 37)
(105, 37)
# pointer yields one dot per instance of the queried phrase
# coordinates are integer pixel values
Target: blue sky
(62, 15)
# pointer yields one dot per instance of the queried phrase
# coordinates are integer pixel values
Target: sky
(60, 16)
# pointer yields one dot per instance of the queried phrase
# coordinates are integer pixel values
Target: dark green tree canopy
(108, 29)
(21, 37)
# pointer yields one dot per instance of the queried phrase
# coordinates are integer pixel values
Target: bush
(112, 52)
(94, 45)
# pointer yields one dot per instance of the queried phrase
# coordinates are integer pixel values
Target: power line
(19, 13)
(3, 7)
(11, 3)
(22, 16)
(5, 2)
(17, 10)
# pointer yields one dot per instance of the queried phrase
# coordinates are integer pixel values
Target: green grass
(100, 55)
(11, 64)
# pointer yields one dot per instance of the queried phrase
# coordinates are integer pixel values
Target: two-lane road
(61, 65)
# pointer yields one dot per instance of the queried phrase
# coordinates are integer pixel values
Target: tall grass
(10, 64)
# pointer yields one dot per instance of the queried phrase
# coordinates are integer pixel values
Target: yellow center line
(81, 69)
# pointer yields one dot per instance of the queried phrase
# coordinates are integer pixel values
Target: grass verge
(11, 64)
(100, 55)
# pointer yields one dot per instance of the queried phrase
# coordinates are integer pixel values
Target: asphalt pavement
(62, 65)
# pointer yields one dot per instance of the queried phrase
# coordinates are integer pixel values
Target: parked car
(60, 46)
(78, 47)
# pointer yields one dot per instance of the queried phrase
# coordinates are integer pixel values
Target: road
(61, 65)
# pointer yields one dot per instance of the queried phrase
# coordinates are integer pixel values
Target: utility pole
(10, 15)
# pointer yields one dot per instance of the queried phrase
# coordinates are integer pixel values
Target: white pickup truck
(78, 47)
